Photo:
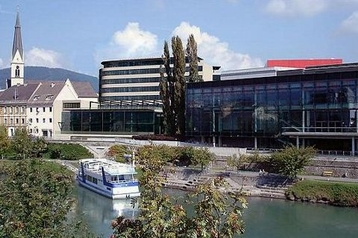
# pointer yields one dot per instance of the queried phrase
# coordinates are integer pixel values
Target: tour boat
(108, 178)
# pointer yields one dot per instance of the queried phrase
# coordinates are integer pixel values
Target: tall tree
(179, 90)
(172, 87)
(167, 92)
(192, 54)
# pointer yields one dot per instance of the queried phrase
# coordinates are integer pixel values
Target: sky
(234, 34)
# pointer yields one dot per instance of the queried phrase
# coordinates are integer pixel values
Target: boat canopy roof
(110, 167)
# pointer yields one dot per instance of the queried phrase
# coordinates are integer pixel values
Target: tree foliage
(4, 141)
(192, 55)
(173, 82)
(237, 161)
(216, 214)
(67, 151)
(21, 143)
(118, 152)
(35, 199)
(202, 157)
(291, 160)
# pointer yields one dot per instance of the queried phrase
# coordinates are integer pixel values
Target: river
(264, 217)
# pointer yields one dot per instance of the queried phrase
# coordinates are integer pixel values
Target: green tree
(118, 152)
(167, 92)
(35, 200)
(202, 157)
(172, 87)
(21, 143)
(39, 147)
(216, 214)
(179, 87)
(192, 55)
(4, 141)
(291, 160)
(237, 161)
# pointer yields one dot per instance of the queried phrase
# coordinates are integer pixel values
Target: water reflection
(263, 218)
(98, 211)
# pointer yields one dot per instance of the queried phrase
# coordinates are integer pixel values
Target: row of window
(37, 109)
(130, 89)
(15, 110)
(43, 120)
(123, 98)
(131, 80)
(139, 71)
(17, 121)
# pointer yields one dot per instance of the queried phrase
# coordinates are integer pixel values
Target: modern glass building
(137, 80)
(316, 106)
(111, 122)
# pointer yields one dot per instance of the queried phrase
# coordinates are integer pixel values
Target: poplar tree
(192, 54)
(167, 92)
(173, 82)
(179, 91)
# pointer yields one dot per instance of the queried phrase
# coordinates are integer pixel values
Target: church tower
(17, 61)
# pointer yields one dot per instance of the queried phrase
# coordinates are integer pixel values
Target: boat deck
(110, 166)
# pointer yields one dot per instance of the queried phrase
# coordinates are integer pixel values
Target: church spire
(17, 61)
(17, 44)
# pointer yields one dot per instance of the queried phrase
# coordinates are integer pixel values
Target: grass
(334, 193)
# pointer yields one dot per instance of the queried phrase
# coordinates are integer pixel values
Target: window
(48, 97)
(43, 120)
(17, 121)
(36, 97)
(5, 121)
(50, 109)
(50, 120)
(5, 110)
(30, 120)
(37, 120)
(17, 71)
(72, 105)
(30, 109)
(22, 121)
(44, 109)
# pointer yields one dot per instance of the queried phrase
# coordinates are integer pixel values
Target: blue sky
(80, 34)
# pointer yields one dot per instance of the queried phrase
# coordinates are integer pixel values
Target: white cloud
(132, 42)
(42, 57)
(297, 7)
(350, 24)
(214, 51)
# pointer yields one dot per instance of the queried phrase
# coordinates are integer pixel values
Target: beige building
(38, 105)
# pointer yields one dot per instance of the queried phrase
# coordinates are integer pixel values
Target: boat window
(120, 177)
(113, 178)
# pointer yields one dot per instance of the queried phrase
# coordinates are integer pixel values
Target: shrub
(67, 152)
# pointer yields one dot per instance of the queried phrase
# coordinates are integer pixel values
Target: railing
(321, 129)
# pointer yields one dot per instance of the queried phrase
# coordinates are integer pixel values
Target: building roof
(84, 89)
(47, 92)
(302, 63)
(18, 93)
(17, 43)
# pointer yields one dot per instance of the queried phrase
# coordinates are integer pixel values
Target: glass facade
(111, 121)
(302, 107)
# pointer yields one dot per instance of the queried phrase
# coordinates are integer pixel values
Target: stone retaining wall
(340, 168)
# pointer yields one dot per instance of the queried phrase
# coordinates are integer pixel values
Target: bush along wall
(333, 193)
(67, 152)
